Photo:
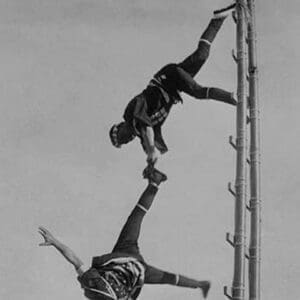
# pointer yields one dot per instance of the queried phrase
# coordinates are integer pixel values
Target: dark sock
(212, 29)
(220, 95)
(188, 282)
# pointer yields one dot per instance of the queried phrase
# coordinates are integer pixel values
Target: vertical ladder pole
(238, 285)
(255, 197)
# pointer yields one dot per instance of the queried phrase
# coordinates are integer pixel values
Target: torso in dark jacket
(153, 105)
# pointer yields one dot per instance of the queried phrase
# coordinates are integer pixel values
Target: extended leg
(128, 238)
(157, 276)
(193, 63)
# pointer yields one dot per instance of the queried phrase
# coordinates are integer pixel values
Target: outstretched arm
(68, 254)
(148, 141)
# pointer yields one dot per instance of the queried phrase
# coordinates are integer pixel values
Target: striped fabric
(125, 275)
(205, 41)
(142, 208)
(159, 117)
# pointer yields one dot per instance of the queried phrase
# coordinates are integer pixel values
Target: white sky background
(68, 68)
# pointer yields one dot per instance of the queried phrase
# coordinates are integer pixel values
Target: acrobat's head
(121, 133)
(92, 295)
(95, 286)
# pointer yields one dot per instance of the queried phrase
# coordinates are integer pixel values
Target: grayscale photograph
(149, 149)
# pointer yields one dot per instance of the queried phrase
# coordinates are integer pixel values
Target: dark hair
(95, 286)
(94, 296)
(118, 140)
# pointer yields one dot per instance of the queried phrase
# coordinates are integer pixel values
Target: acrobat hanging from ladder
(146, 113)
(121, 274)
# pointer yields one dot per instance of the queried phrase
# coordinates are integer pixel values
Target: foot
(224, 12)
(154, 175)
(205, 286)
(233, 100)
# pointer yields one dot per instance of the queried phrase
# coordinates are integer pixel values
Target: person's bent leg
(215, 94)
(221, 95)
(188, 85)
(156, 276)
(128, 238)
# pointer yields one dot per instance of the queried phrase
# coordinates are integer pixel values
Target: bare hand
(152, 157)
(48, 237)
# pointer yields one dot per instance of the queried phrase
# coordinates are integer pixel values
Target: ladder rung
(226, 292)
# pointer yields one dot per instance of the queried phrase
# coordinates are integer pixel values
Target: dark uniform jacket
(126, 286)
(152, 106)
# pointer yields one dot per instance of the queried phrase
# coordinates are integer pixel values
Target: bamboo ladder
(246, 34)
